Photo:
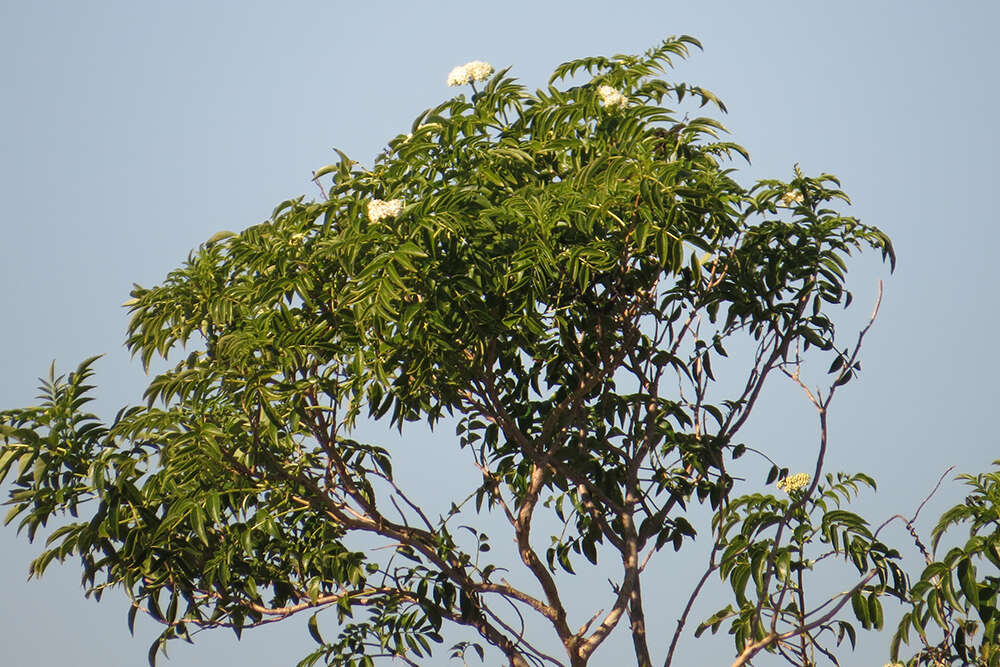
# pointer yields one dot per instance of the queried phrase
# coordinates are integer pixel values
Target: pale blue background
(132, 131)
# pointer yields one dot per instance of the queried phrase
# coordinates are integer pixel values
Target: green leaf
(313, 626)
(934, 607)
(198, 521)
(7, 457)
(967, 581)
(783, 565)
(132, 611)
(219, 236)
(772, 475)
(323, 171)
(875, 611)
(845, 629)
(861, 610)
(838, 362)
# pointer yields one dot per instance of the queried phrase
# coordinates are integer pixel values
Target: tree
(556, 274)
(966, 615)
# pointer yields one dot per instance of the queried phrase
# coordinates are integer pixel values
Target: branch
(909, 522)
(498, 414)
(756, 382)
(712, 567)
(522, 532)
(857, 346)
(753, 649)
(822, 407)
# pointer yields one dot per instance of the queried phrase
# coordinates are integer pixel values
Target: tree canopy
(557, 274)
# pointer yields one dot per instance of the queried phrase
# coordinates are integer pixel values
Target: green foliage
(952, 597)
(765, 548)
(562, 277)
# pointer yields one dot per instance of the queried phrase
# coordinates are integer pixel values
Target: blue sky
(133, 131)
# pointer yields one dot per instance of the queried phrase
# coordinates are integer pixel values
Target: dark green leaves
(567, 272)
(953, 593)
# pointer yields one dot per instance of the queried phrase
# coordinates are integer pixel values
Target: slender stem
(712, 567)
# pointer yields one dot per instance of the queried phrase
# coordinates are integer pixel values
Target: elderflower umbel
(477, 70)
(794, 482)
(791, 197)
(611, 98)
(379, 210)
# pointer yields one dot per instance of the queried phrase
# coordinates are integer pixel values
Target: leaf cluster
(564, 279)
(952, 595)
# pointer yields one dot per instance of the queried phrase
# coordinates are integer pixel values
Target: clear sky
(133, 131)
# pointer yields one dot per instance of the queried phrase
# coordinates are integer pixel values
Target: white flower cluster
(794, 482)
(791, 197)
(379, 210)
(611, 98)
(477, 70)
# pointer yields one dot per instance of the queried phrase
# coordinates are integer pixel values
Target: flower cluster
(794, 482)
(477, 70)
(379, 210)
(611, 98)
(791, 197)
